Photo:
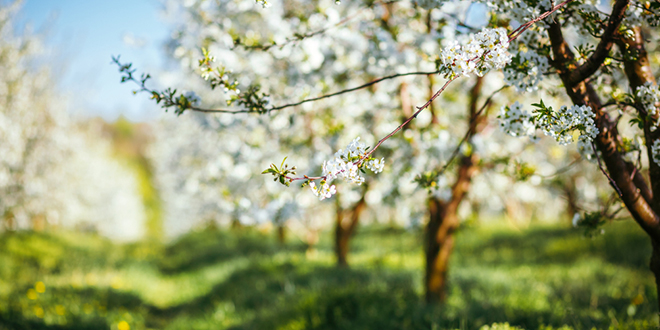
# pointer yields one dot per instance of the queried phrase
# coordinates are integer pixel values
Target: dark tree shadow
(211, 246)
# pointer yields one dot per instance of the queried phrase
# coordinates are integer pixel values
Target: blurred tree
(54, 171)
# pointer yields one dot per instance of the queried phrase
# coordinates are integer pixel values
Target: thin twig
(289, 105)
(612, 183)
(467, 133)
(563, 169)
(419, 109)
(517, 32)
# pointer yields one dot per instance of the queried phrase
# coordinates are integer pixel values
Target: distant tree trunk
(236, 224)
(346, 221)
(281, 233)
(443, 215)
(443, 222)
(9, 222)
(439, 245)
(566, 187)
(39, 222)
(571, 197)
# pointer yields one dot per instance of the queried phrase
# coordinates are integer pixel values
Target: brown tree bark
(625, 178)
(281, 234)
(571, 199)
(346, 221)
(638, 70)
(443, 216)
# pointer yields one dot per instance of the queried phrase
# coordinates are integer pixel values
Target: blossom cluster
(520, 10)
(588, 18)
(347, 165)
(562, 123)
(655, 151)
(525, 71)
(585, 149)
(649, 95)
(442, 189)
(515, 121)
(642, 10)
(559, 124)
(483, 51)
(264, 3)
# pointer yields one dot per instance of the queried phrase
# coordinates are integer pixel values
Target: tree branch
(593, 63)
(468, 133)
(638, 71)
(582, 93)
(170, 103)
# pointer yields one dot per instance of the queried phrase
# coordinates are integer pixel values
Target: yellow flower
(32, 295)
(123, 325)
(40, 287)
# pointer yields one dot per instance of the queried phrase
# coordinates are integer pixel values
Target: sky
(84, 35)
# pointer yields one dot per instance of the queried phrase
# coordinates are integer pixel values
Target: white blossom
(376, 165)
(515, 121)
(483, 51)
(655, 151)
(585, 149)
(649, 95)
(561, 124)
(520, 10)
(346, 165)
(639, 11)
(264, 3)
(323, 191)
(526, 70)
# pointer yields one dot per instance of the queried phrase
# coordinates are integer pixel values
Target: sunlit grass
(542, 276)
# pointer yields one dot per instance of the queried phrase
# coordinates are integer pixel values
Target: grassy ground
(543, 277)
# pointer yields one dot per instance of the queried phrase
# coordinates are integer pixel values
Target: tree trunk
(345, 224)
(627, 180)
(9, 222)
(638, 70)
(236, 224)
(438, 248)
(281, 234)
(341, 240)
(443, 217)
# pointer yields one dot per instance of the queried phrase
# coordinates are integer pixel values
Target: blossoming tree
(54, 171)
(524, 39)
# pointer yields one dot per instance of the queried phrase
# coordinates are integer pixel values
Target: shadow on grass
(279, 294)
(13, 321)
(200, 249)
(271, 296)
(623, 244)
(527, 279)
(70, 308)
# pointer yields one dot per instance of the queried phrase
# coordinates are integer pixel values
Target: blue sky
(85, 34)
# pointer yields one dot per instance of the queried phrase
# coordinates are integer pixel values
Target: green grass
(539, 278)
